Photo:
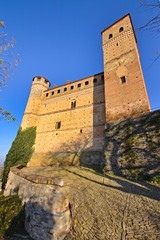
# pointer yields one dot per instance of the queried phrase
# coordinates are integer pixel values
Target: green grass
(12, 215)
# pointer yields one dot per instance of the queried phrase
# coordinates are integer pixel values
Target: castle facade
(72, 117)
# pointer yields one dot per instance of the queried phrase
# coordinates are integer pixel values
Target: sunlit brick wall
(125, 92)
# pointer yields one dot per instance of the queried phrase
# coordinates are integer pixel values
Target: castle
(71, 118)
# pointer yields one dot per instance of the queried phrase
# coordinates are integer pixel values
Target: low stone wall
(132, 146)
(46, 204)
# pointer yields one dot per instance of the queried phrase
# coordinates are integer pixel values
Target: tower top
(119, 20)
(40, 78)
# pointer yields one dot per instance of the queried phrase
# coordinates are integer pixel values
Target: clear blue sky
(61, 40)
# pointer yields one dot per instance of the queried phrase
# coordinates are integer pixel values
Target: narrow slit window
(81, 131)
(65, 89)
(58, 125)
(73, 104)
(47, 94)
(52, 93)
(59, 91)
(72, 87)
(123, 79)
(79, 84)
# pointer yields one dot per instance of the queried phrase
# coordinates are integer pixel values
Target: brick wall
(125, 92)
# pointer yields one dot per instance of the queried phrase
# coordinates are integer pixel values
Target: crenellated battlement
(41, 80)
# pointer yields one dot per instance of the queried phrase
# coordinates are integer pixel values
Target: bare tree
(8, 63)
(152, 23)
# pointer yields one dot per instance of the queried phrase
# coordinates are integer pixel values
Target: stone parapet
(35, 178)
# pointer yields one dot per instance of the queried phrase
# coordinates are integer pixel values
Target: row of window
(120, 30)
(73, 103)
(72, 87)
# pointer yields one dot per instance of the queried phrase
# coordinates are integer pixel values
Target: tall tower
(39, 85)
(125, 91)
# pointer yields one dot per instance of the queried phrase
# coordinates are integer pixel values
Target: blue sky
(61, 40)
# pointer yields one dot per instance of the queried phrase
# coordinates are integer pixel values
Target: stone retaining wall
(46, 204)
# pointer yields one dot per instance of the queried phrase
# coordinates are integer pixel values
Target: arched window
(110, 35)
(121, 29)
(73, 104)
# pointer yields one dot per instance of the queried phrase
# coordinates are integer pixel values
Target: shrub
(20, 151)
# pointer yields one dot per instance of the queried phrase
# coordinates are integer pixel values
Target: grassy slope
(11, 215)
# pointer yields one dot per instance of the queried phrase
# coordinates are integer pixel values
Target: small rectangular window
(72, 87)
(95, 80)
(58, 91)
(46, 94)
(102, 77)
(123, 79)
(58, 125)
(79, 84)
(65, 89)
(52, 93)
(86, 83)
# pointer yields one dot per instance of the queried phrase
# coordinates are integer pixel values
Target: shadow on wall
(83, 149)
(76, 153)
(86, 148)
(132, 146)
(39, 223)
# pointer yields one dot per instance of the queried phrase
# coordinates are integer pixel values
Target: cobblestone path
(114, 208)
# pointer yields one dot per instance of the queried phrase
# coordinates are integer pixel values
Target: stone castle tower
(71, 118)
(39, 85)
(125, 92)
